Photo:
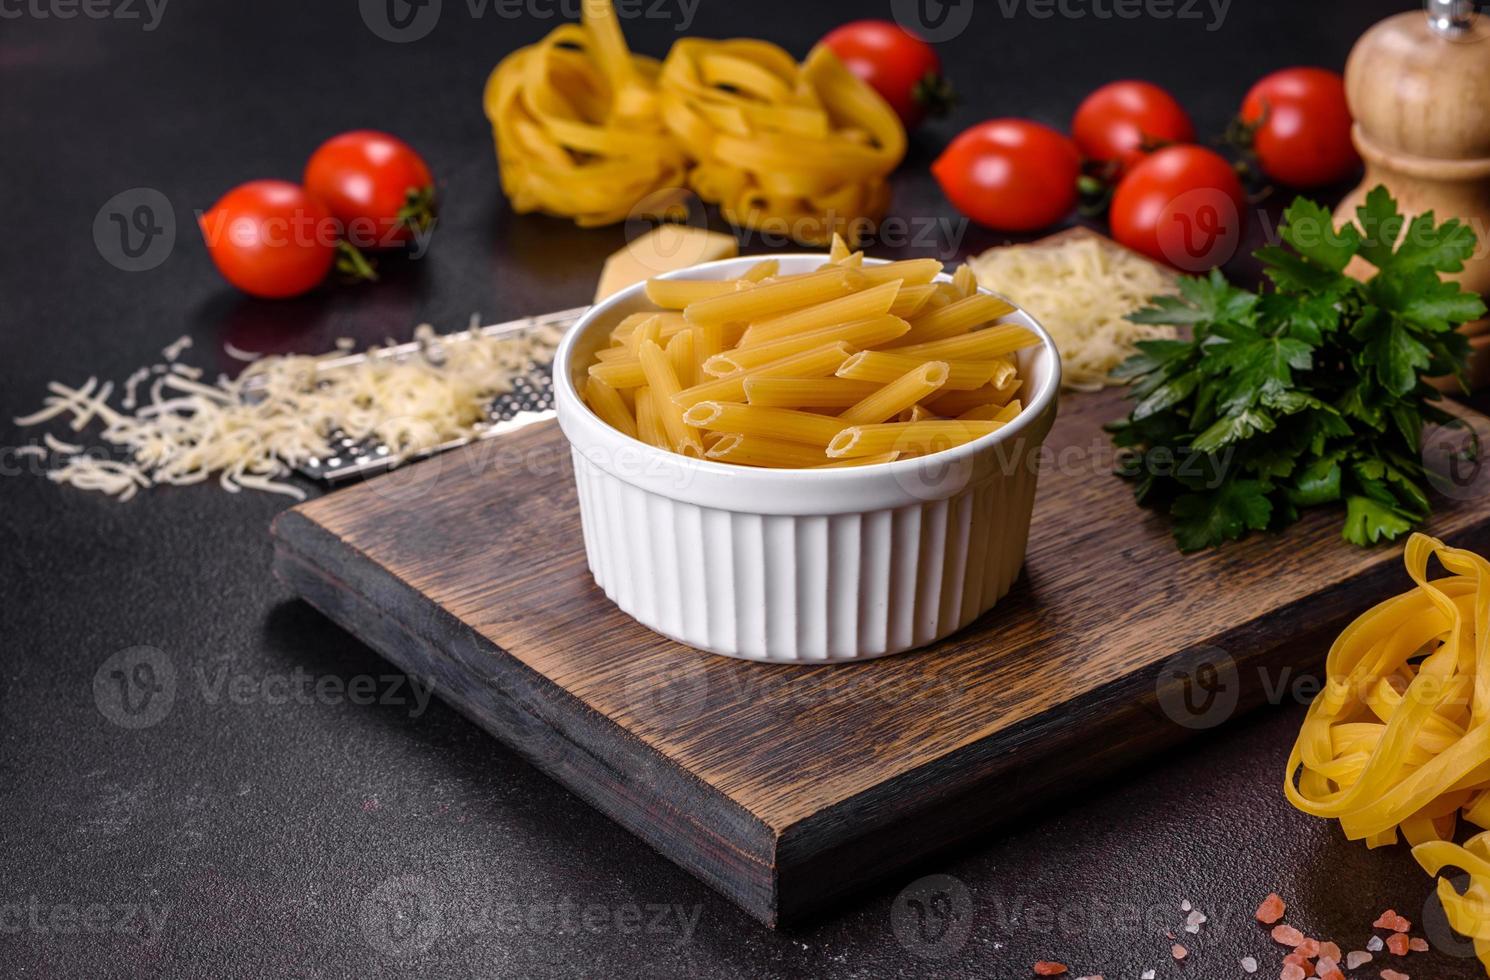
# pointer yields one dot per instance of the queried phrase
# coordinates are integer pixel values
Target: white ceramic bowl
(801, 566)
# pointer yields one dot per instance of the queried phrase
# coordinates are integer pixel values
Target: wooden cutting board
(788, 787)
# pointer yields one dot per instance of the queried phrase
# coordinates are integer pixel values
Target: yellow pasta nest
(843, 366)
(585, 129)
(1399, 739)
(802, 151)
(576, 123)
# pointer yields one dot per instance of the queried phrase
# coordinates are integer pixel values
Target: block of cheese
(663, 249)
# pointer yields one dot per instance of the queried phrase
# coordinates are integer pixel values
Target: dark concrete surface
(265, 820)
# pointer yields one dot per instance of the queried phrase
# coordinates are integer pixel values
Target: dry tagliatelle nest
(279, 413)
(1398, 742)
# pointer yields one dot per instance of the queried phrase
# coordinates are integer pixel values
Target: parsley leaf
(1204, 520)
(1307, 392)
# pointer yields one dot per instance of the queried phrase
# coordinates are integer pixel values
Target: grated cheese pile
(253, 430)
(1080, 290)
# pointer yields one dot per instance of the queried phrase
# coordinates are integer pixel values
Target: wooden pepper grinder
(1419, 89)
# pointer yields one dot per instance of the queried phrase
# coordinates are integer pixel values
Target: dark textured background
(277, 835)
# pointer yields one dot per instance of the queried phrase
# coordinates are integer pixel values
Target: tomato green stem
(352, 264)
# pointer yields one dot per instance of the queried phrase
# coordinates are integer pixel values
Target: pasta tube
(770, 423)
(914, 437)
(898, 395)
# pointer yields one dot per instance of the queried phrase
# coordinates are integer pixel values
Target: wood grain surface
(786, 787)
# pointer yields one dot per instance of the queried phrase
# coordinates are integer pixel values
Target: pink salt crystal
(1249, 964)
(1355, 958)
(1375, 945)
(1325, 965)
(1292, 972)
(1179, 952)
(1271, 909)
(1330, 950)
(1309, 948)
(1394, 975)
(1417, 945)
(1287, 935)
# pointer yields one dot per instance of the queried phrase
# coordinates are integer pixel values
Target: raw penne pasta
(857, 335)
(886, 366)
(952, 404)
(676, 294)
(910, 300)
(761, 451)
(982, 344)
(606, 403)
(764, 270)
(859, 461)
(648, 429)
(842, 365)
(964, 281)
(838, 249)
(992, 412)
(771, 423)
(680, 354)
(911, 271)
(819, 362)
(807, 392)
(648, 329)
(855, 306)
(669, 322)
(915, 437)
(770, 298)
(621, 373)
(708, 340)
(664, 384)
(954, 319)
(917, 413)
(900, 394)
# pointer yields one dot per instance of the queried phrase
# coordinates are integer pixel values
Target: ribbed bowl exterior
(808, 565)
(805, 589)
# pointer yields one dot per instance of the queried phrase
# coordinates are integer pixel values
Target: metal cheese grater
(530, 400)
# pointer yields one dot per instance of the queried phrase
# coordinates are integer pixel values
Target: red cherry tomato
(1012, 174)
(1119, 119)
(898, 65)
(1183, 205)
(1302, 134)
(375, 185)
(270, 238)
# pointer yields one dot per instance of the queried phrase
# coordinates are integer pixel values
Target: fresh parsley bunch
(1307, 393)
